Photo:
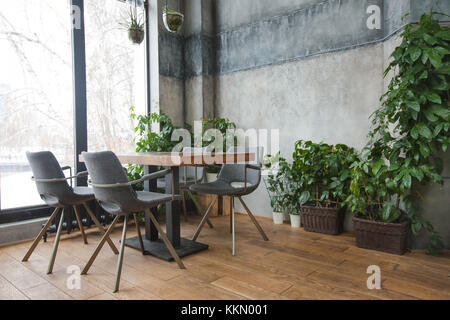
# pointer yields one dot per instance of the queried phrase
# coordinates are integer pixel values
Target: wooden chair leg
(80, 225)
(205, 217)
(165, 240)
(99, 246)
(120, 258)
(56, 244)
(100, 227)
(255, 222)
(39, 236)
(138, 230)
(198, 207)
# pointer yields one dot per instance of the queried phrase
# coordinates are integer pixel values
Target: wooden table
(151, 160)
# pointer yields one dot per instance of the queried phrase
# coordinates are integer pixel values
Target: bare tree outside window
(36, 95)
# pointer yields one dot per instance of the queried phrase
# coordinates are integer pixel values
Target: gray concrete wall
(310, 68)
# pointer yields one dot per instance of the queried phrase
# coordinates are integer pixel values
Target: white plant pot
(211, 177)
(295, 220)
(278, 217)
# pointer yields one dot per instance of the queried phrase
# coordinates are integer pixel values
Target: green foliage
(226, 128)
(279, 186)
(148, 141)
(321, 173)
(136, 21)
(409, 129)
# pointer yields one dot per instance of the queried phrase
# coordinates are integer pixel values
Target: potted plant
(226, 129)
(173, 20)
(135, 25)
(277, 185)
(378, 223)
(322, 179)
(409, 130)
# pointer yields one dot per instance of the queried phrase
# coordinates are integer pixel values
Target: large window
(36, 100)
(115, 76)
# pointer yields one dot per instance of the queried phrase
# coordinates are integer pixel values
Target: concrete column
(199, 59)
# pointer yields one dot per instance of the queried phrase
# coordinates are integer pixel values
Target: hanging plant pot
(136, 35)
(173, 20)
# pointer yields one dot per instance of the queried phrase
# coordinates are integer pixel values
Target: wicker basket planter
(323, 220)
(381, 236)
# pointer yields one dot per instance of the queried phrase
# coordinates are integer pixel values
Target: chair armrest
(80, 174)
(249, 166)
(146, 177)
(70, 172)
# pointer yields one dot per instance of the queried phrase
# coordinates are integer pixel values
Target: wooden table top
(180, 159)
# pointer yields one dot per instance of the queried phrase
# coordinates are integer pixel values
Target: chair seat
(151, 197)
(84, 191)
(222, 187)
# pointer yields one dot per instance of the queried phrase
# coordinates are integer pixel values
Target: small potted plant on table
(322, 180)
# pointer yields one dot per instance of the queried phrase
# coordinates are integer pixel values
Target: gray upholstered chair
(234, 180)
(57, 193)
(116, 196)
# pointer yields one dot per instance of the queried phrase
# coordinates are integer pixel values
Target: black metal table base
(159, 249)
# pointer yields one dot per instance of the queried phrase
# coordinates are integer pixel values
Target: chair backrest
(105, 168)
(236, 172)
(45, 166)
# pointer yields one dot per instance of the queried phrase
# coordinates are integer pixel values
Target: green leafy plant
(226, 128)
(279, 187)
(148, 141)
(135, 20)
(322, 173)
(409, 129)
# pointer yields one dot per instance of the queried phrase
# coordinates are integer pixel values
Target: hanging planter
(173, 20)
(136, 35)
(135, 24)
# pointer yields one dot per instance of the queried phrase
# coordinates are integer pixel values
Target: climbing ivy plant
(410, 128)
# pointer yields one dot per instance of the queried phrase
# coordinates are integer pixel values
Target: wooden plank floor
(294, 264)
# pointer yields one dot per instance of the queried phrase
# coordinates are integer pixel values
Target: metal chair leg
(198, 207)
(138, 230)
(80, 225)
(165, 240)
(233, 237)
(255, 222)
(100, 245)
(56, 244)
(231, 215)
(184, 205)
(205, 217)
(120, 259)
(100, 227)
(40, 235)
